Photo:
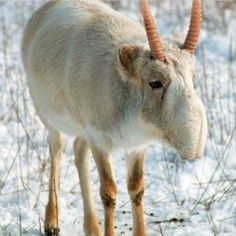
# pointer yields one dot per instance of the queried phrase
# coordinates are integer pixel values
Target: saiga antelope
(97, 75)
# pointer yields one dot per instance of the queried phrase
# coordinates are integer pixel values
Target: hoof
(51, 226)
(49, 232)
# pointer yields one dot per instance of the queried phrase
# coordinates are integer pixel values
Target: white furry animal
(97, 75)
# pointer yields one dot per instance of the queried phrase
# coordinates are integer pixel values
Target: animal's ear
(127, 56)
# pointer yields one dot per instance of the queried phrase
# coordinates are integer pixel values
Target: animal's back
(53, 26)
(62, 43)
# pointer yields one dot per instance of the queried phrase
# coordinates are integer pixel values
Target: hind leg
(51, 225)
(82, 159)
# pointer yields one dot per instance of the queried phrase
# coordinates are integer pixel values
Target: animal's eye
(156, 84)
(151, 57)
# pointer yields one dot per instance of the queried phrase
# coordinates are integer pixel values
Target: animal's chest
(129, 136)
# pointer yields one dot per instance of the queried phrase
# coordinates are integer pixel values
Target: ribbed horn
(152, 34)
(190, 43)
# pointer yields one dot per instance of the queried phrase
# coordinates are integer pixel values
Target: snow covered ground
(192, 198)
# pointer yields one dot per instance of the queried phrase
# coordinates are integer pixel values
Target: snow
(181, 198)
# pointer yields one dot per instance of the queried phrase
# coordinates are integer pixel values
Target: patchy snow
(181, 198)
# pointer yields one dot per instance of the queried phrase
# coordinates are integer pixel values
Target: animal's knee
(136, 190)
(108, 200)
(108, 194)
(137, 197)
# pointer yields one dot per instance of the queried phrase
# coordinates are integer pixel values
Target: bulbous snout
(187, 132)
(197, 135)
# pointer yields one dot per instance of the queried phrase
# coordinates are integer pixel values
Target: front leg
(108, 189)
(136, 190)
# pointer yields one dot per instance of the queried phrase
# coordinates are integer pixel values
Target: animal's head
(164, 77)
